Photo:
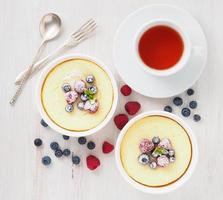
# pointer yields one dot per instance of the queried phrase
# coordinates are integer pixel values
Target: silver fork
(74, 39)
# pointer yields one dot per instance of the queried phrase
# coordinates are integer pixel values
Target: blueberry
(82, 140)
(66, 152)
(156, 140)
(54, 146)
(190, 92)
(69, 108)
(76, 160)
(80, 105)
(58, 153)
(66, 87)
(46, 160)
(43, 123)
(168, 109)
(185, 112)
(84, 97)
(178, 101)
(93, 89)
(90, 145)
(66, 137)
(197, 118)
(90, 78)
(143, 159)
(193, 104)
(38, 142)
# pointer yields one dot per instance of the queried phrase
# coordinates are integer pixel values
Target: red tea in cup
(160, 47)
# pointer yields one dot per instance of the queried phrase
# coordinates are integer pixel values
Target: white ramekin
(164, 189)
(55, 127)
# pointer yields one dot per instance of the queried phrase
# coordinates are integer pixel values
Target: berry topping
(54, 146)
(71, 97)
(156, 140)
(168, 109)
(185, 112)
(132, 107)
(69, 108)
(80, 105)
(153, 165)
(197, 118)
(82, 140)
(66, 87)
(76, 160)
(38, 142)
(146, 146)
(93, 89)
(163, 161)
(107, 147)
(193, 104)
(121, 120)
(66, 152)
(79, 86)
(43, 123)
(126, 90)
(58, 153)
(172, 159)
(91, 106)
(90, 145)
(66, 137)
(178, 101)
(143, 159)
(171, 152)
(46, 160)
(90, 79)
(84, 97)
(190, 92)
(92, 162)
(165, 143)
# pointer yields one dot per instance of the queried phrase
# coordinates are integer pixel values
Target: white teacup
(186, 51)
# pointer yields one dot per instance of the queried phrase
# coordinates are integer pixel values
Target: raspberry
(146, 146)
(107, 147)
(121, 120)
(92, 162)
(132, 107)
(126, 90)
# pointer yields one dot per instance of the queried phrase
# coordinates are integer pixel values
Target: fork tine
(85, 34)
(91, 27)
(86, 24)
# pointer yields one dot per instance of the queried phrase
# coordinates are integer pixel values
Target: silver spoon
(49, 27)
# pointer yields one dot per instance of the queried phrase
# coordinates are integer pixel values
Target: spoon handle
(27, 74)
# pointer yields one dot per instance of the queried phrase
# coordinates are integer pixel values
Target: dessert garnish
(92, 162)
(132, 107)
(156, 152)
(85, 92)
(121, 120)
(126, 90)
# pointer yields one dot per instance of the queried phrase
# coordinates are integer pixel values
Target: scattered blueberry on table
(46, 160)
(38, 142)
(66, 137)
(82, 140)
(54, 146)
(90, 145)
(185, 112)
(168, 109)
(193, 104)
(76, 160)
(197, 118)
(190, 92)
(66, 152)
(58, 153)
(43, 123)
(178, 101)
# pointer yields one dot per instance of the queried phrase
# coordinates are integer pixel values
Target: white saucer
(125, 55)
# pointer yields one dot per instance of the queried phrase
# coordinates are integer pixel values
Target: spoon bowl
(50, 26)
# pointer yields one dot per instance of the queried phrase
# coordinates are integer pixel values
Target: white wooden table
(23, 177)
